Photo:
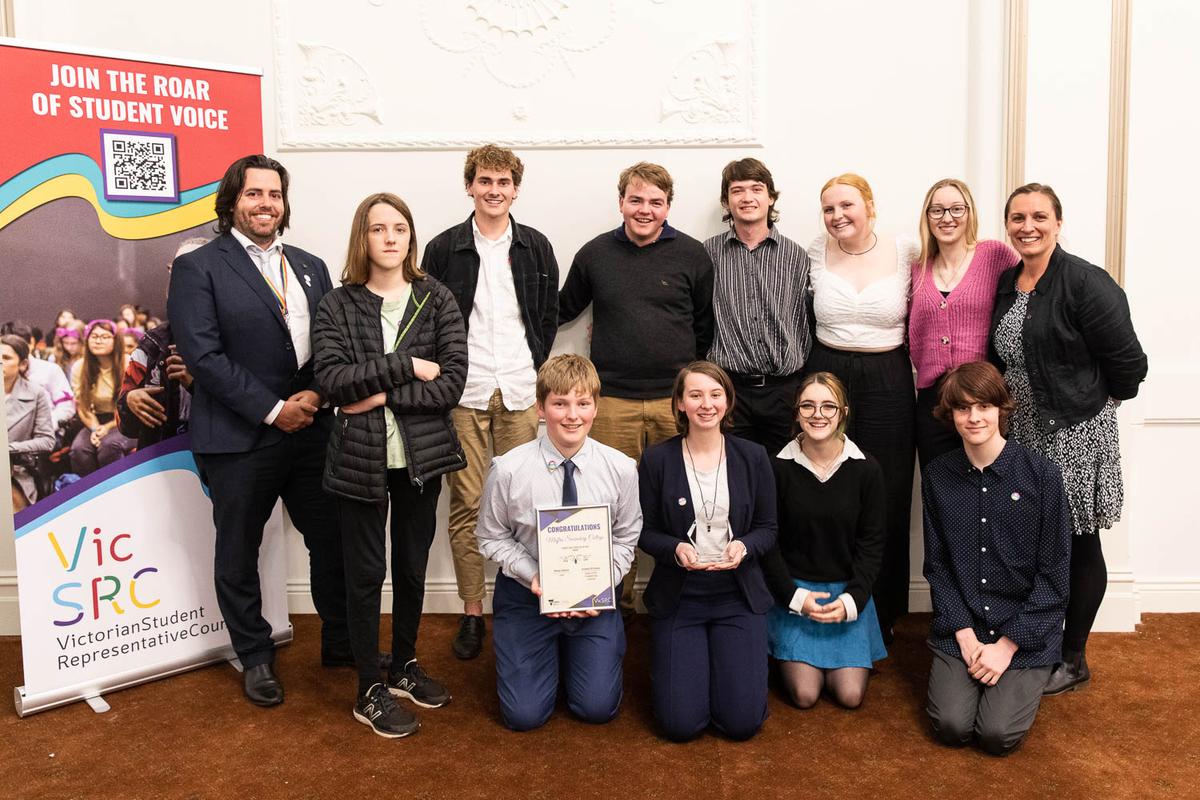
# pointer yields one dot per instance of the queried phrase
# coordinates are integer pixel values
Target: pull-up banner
(111, 162)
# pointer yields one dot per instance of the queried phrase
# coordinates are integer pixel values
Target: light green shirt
(390, 316)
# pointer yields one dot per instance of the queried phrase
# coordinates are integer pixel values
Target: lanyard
(280, 296)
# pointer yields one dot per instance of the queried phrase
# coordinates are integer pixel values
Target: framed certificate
(575, 563)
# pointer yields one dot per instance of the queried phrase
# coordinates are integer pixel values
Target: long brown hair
(91, 367)
(358, 265)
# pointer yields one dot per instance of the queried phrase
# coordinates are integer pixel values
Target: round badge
(682, 501)
(1016, 495)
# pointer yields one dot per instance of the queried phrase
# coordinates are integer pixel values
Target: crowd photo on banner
(89, 387)
(759, 443)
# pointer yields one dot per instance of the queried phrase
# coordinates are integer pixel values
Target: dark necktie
(570, 496)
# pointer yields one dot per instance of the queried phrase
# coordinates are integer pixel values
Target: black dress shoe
(262, 686)
(1067, 676)
(468, 642)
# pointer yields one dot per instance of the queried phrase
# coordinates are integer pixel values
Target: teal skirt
(825, 645)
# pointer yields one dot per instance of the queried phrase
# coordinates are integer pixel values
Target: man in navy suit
(241, 309)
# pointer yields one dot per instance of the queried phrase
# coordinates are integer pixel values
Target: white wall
(904, 93)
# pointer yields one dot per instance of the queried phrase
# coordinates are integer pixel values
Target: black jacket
(452, 258)
(662, 480)
(1079, 342)
(351, 365)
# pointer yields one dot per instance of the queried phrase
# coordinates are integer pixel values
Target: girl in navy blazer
(708, 516)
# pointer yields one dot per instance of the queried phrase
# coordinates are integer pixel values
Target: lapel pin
(308, 280)
(682, 501)
(1016, 495)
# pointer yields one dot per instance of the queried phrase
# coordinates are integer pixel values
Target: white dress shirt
(498, 354)
(298, 318)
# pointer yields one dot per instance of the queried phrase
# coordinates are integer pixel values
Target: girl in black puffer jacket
(391, 350)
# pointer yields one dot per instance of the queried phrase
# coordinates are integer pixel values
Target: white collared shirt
(794, 452)
(497, 351)
(299, 317)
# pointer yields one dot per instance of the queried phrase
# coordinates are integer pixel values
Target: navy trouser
(709, 665)
(244, 488)
(532, 649)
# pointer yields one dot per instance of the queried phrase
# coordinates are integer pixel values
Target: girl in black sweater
(824, 630)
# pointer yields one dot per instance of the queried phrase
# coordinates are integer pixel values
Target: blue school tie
(570, 496)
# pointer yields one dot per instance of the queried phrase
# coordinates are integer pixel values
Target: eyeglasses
(100, 337)
(937, 212)
(828, 410)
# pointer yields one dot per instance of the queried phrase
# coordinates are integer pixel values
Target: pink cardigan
(944, 332)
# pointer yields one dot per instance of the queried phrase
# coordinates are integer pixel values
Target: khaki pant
(631, 426)
(500, 430)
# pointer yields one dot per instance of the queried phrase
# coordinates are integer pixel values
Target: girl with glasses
(950, 312)
(824, 629)
(95, 379)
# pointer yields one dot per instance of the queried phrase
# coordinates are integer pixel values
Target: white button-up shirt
(498, 352)
(299, 318)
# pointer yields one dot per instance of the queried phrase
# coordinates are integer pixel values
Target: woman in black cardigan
(708, 517)
(390, 349)
(824, 630)
(1063, 338)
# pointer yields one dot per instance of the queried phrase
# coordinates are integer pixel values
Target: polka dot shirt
(998, 552)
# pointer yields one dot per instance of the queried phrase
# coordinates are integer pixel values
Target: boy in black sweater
(650, 287)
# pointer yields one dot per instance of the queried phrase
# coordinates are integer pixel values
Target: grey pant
(1000, 716)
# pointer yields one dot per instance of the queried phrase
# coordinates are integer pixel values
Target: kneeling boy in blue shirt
(561, 467)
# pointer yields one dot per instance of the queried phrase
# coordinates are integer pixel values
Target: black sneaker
(377, 709)
(469, 641)
(413, 683)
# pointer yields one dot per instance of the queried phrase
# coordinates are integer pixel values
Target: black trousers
(244, 488)
(881, 424)
(414, 520)
(934, 437)
(763, 413)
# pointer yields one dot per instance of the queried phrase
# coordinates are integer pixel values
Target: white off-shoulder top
(874, 318)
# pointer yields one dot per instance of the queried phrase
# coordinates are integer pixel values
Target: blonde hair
(929, 242)
(358, 265)
(567, 372)
(840, 396)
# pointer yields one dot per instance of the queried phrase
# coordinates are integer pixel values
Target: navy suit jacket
(665, 523)
(232, 336)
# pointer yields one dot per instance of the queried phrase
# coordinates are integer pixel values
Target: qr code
(139, 166)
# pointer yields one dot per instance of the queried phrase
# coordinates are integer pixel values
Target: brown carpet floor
(1134, 733)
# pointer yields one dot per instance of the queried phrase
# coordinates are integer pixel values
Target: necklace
(822, 468)
(874, 235)
(955, 274)
(704, 504)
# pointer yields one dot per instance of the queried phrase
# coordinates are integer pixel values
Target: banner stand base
(98, 704)
(236, 663)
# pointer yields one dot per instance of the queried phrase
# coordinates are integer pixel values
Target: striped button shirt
(760, 301)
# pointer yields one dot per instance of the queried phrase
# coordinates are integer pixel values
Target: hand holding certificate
(575, 563)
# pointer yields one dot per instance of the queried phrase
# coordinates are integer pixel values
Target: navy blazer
(752, 518)
(232, 336)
